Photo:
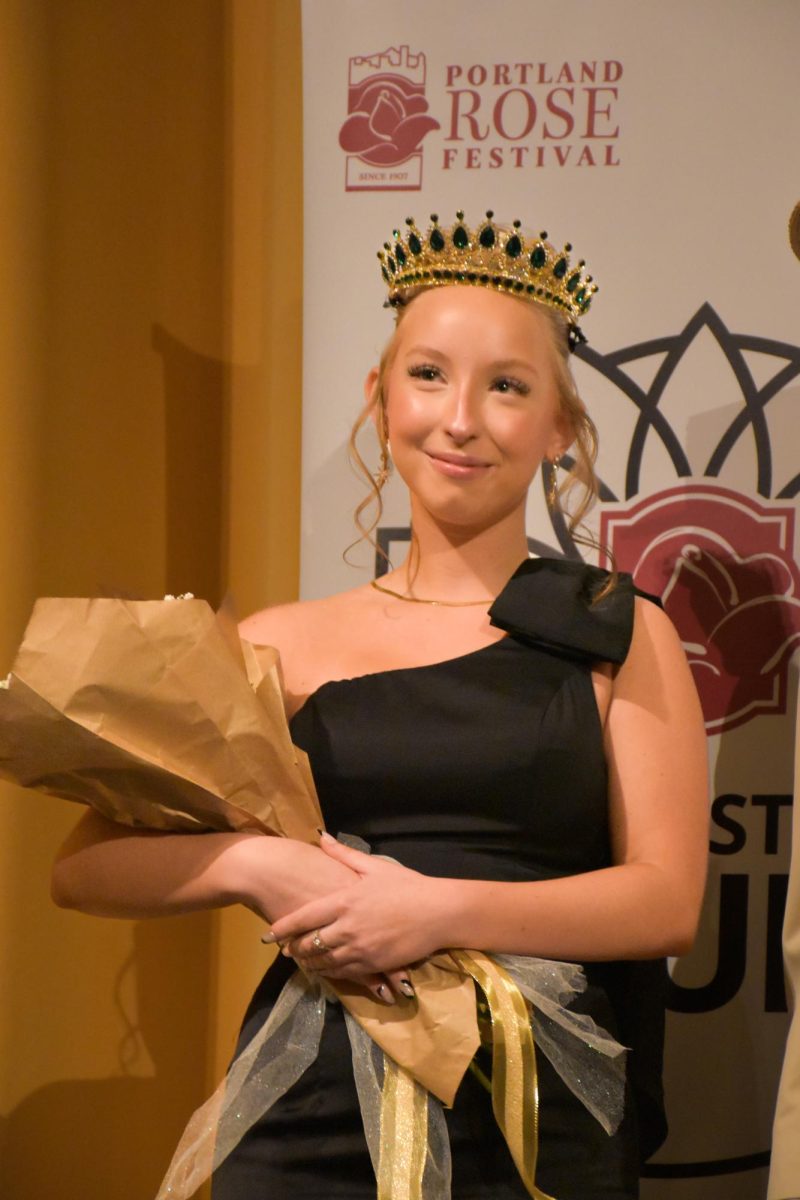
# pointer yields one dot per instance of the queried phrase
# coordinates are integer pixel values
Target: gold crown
(492, 256)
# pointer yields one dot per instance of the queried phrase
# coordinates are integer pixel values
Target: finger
(310, 945)
(357, 860)
(378, 985)
(314, 915)
(401, 984)
(315, 957)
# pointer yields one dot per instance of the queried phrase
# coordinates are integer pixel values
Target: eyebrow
(502, 364)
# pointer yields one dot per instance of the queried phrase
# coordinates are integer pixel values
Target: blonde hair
(580, 477)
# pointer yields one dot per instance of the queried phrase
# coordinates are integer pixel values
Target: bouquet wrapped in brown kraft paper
(158, 715)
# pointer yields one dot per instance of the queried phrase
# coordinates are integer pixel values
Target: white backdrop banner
(662, 140)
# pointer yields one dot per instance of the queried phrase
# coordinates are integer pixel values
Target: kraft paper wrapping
(157, 714)
(144, 710)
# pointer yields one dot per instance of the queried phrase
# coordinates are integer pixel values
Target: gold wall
(149, 442)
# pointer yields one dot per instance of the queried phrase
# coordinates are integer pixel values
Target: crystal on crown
(491, 255)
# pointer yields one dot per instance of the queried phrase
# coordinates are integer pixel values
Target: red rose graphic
(387, 121)
(722, 564)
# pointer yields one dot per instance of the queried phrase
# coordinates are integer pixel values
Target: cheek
(523, 435)
(408, 416)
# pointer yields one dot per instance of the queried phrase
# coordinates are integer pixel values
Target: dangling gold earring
(552, 487)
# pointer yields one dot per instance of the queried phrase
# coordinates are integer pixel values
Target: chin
(473, 514)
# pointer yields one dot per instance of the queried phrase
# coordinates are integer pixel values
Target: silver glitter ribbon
(589, 1061)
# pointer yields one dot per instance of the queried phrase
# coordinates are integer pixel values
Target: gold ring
(318, 943)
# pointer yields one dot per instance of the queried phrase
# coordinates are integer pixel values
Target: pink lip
(458, 466)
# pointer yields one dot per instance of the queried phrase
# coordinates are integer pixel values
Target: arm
(647, 904)
(112, 870)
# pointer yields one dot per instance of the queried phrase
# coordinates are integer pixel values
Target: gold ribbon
(403, 1122)
(404, 1134)
(515, 1089)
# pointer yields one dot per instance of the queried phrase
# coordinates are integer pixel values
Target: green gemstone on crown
(487, 256)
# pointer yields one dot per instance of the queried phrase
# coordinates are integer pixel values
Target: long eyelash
(419, 369)
(516, 385)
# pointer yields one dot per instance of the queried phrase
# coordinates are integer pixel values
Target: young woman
(522, 736)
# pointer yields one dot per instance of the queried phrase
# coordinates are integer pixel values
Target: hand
(275, 876)
(367, 928)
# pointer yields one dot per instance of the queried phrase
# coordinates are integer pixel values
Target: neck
(456, 564)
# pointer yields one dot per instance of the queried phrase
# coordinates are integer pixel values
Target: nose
(461, 413)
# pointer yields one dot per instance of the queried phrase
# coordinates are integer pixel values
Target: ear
(562, 439)
(371, 389)
(371, 397)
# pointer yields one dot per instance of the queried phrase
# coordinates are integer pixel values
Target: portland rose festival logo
(722, 560)
(387, 120)
(722, 565)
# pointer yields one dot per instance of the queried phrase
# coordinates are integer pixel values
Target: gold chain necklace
(436, 603)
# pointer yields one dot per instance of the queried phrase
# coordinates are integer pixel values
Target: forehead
(471, 319)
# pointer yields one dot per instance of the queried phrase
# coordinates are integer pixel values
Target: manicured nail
(268, 939)
(384, 993)
(407, 988)
(325, 837)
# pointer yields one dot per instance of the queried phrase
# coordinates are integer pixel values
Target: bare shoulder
(655, 673)
(653, 634)
(282, 624)
(311, 636)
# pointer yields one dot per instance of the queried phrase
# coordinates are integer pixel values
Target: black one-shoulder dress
(486, 766)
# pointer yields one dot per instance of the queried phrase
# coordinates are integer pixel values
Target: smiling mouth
(458, 466)
(458, 460)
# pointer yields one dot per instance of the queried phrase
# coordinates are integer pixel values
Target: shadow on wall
(194, 405)
(114, 1137)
